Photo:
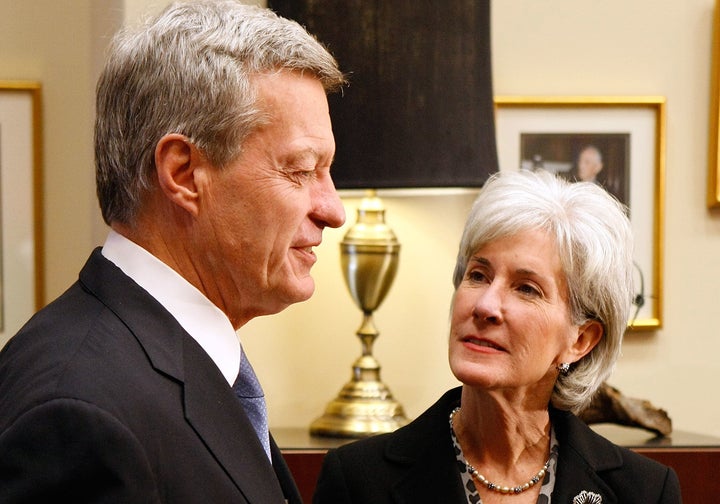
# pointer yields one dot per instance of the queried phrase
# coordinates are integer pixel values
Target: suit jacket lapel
(210, 405)
(583, 455)
(574, 476)
(227, 432)
(427, 453)
(446, 484)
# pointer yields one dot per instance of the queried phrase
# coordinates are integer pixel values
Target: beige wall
(563, 47)
(49, 41)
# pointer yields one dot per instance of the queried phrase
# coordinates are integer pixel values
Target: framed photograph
(21, 236)
(618, 142)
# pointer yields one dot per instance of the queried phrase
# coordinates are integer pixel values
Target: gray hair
(594, 241)
(189, 71)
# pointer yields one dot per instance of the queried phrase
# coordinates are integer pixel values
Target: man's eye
(300, 176)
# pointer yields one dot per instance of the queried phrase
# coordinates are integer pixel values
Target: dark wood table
(695, 457)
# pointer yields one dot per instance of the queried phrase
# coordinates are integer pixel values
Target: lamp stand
(369, 257)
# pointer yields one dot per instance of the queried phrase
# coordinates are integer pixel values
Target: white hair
(594, 240)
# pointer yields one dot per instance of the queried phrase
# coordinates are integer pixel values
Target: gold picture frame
(552, 131)
(21, 204)
(713, 182)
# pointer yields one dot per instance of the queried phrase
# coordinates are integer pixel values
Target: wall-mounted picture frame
(21, 215)
(713, 179)
(622, 139)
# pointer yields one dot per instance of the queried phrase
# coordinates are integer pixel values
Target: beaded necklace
(502, 488)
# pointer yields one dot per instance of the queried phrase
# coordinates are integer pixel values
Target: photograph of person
(602, 158)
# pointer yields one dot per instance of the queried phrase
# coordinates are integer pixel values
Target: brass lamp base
(369, 255)
(363, 407)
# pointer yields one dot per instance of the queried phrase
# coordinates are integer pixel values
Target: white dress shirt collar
(204, 321)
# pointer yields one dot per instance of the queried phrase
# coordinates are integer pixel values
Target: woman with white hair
(543, 291)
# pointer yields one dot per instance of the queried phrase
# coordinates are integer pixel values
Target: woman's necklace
(501, 488)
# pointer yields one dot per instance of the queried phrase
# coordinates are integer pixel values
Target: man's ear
(176, 159)
(589, 335)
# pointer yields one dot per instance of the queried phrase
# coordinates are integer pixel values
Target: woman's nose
(488, 305)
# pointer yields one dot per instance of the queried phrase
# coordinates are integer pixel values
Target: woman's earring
(563, 368)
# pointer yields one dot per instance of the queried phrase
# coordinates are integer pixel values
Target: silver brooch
(586, 497)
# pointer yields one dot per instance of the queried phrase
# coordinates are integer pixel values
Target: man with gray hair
(213, 148)
(589, 164)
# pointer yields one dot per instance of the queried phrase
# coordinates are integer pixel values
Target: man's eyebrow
(309, 153)
(303, 153)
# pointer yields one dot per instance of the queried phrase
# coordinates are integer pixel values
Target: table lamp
(418, 113)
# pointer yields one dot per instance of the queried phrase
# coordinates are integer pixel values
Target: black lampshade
(419, 108)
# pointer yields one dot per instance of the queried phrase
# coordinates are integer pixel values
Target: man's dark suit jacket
(105, 398)
(416, 464)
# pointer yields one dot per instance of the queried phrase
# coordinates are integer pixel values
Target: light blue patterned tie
(248, 389)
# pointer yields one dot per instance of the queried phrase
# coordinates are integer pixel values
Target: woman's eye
(476, 276)
(528, 289)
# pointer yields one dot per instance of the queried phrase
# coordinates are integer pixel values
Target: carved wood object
(610, 406)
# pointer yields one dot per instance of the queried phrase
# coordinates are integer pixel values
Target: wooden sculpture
(610, 406)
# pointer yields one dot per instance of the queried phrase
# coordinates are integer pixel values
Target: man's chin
(302, 291)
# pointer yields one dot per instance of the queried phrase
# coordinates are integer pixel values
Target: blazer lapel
(210, 405)
(218, 418)
(446, 484)
(575, 476)
(583, 454)
(427, 453)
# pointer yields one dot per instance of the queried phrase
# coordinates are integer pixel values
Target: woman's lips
(483, 343)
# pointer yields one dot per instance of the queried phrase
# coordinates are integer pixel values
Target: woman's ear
(588, 336)
(176, 159)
